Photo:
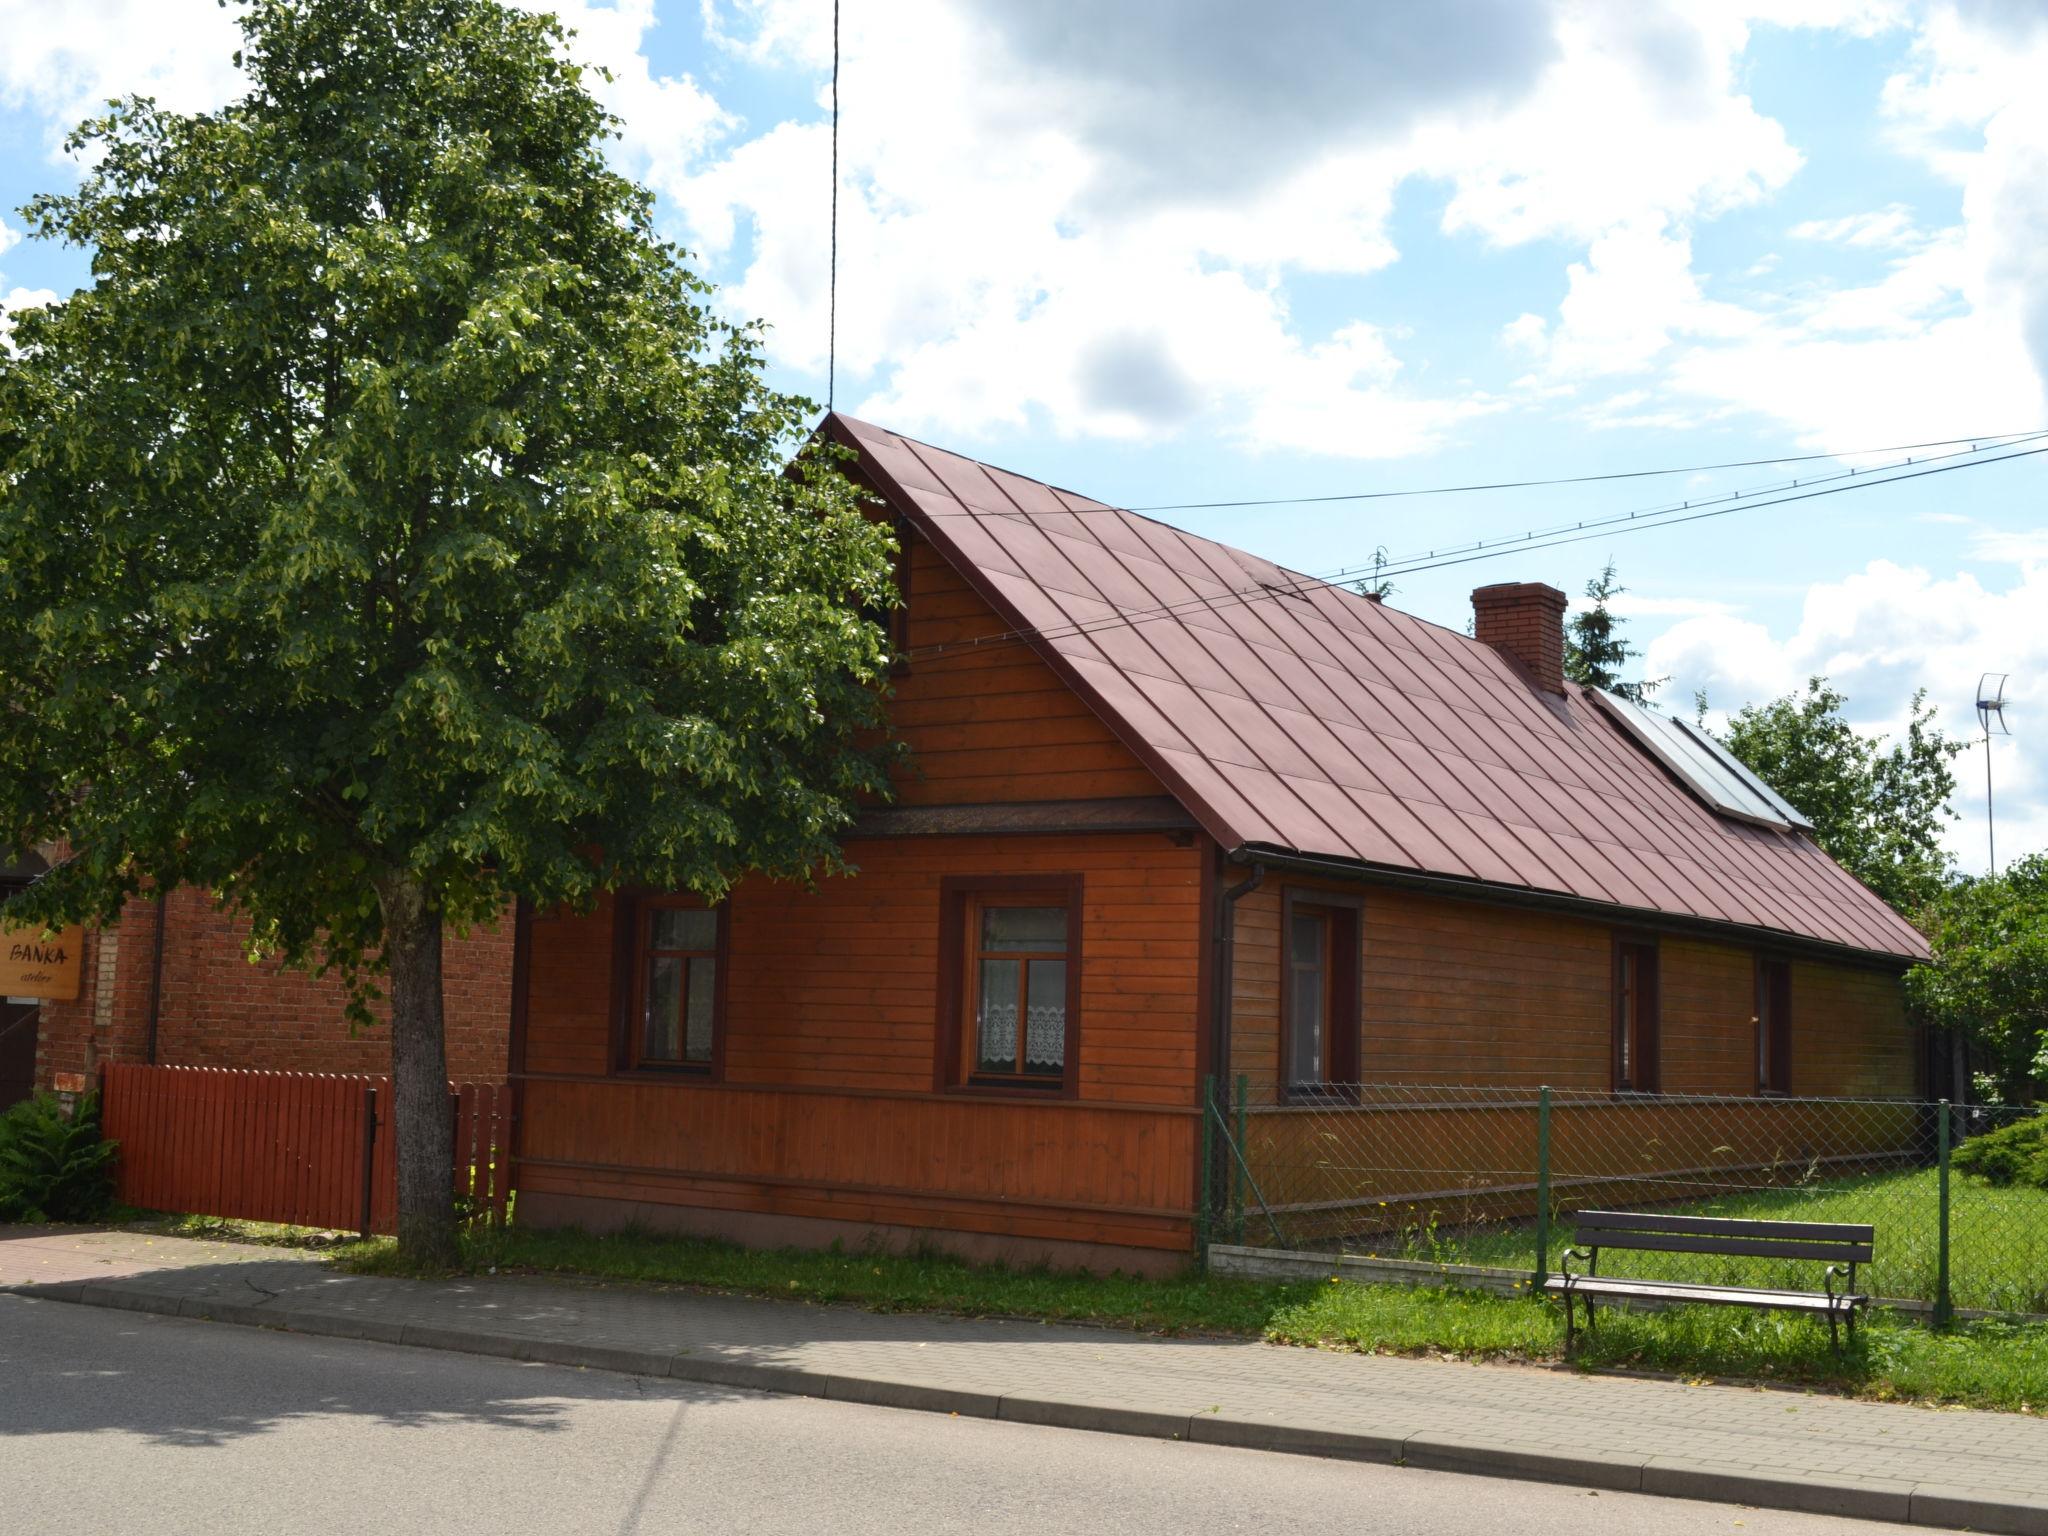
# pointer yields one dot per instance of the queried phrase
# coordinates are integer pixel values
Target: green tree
(389, 531)
(1878, 809)
(1595, 651)
(1989, 976)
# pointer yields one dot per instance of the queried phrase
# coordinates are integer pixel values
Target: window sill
(1312, 1095)
(678, 1073)
(1011, 1090)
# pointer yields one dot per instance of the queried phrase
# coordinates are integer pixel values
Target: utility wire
(1640, 517)
(1307, 584)
(1985, 439)
(1517, 485)
(1522, 540)
(832, 283)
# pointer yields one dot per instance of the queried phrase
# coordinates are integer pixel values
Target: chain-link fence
(1491, 1176)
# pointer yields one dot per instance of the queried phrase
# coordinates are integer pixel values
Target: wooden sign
(34, 963)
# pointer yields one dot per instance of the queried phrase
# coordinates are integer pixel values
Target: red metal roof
(1291, 715)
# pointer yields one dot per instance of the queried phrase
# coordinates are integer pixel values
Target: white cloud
(2027, 546)
(668, 120)
(1951, 339)
(1640, 118)
(1881, 229)
(1878, 635)
(64, 61)
(9, 236)
(1035, 226)
(1629, 299)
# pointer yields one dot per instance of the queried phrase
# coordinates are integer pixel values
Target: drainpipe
(156, 978)
(1220, 1008)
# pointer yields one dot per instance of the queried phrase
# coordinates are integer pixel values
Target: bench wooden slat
(1668, 1290)
(1735, 1247)
(1725, 1226)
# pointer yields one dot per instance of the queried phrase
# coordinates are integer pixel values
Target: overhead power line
(1980, 439)
(1306, 584)
(1624, 474)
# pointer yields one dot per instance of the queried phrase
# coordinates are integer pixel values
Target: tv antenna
(1991, 713)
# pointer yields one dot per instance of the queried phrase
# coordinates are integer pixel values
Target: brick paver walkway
(1988, 1471)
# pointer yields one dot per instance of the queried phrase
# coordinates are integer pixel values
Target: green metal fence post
(1237, 1199)
(1944, 1309)
(1542, 1188)
(1205, 1206)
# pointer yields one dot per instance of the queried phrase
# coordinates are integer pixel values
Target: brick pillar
(1524, 620)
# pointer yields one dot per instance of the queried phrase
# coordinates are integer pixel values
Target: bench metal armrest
(1828, 1275)
(1564, 1264)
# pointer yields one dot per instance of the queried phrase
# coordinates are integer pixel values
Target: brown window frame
(1644, 1048)
(1774, 1025)
(961, 900)
(633, 922)
(1343, 918)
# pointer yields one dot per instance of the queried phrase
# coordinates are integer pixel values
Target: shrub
(2012, 1154)
(54, 1167)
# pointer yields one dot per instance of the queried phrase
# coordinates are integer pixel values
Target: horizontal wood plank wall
(1459, 992)
(1452, 992)
(996, 724)
(828, 1105)
(1850, 1034)
(1708, 1017)
(1068, 1172)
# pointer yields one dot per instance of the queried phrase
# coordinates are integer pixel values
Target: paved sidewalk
(1983, 1471)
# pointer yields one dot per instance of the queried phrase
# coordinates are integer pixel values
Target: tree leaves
(1594, 650)
(1989, 977)
(392, 501)
(1878, 810)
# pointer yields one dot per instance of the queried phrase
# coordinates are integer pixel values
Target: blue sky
(1189, 250)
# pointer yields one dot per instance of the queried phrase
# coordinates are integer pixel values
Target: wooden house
(1173, 811)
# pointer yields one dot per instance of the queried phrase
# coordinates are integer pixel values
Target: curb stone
(2003, 1512)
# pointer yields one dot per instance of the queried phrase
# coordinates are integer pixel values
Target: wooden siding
(828, 1105)
(1850, 1034)
(1461, 992)
(997, 724)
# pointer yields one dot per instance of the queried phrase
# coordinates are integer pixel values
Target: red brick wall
(219, 1010)
(1526, 620)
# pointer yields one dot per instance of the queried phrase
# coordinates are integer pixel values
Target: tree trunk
(419, 1077)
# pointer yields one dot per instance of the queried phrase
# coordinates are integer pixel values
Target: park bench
(1838, 1245)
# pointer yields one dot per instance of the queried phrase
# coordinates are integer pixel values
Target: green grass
(1990, 1365)
(1998, 1240)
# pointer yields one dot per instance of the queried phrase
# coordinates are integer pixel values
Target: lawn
(1998, 1239)
(1984, 1364)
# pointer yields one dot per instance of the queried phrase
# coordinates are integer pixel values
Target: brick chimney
(1525, 620)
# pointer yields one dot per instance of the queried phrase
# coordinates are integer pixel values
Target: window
(1773, 1026)
(677, 1001)
(1319, 997)
(1635, 1016)
(1011, 978)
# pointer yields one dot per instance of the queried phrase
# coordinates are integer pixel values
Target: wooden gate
(299, 1148)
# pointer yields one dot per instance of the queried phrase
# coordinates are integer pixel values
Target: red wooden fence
(291, 1147)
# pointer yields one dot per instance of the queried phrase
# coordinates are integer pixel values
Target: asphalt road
(115, 1422)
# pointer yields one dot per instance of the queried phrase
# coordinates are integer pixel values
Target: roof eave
(1559, 901)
